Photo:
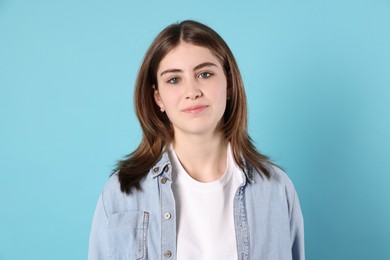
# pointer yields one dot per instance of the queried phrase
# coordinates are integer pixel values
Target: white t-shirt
(204, 212)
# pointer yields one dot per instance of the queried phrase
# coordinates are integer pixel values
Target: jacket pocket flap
(131, 219)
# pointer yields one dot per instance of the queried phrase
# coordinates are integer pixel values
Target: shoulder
(113, 185)
(279, 176)
(115, 200)
(278, 190)
(112, 194)
(279, 183)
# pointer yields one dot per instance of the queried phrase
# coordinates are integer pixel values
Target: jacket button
(164, 180)
(166, 168)
(167, 253)
(167, 215)
(155, 169)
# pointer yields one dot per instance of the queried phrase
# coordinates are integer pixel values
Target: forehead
(187, 55)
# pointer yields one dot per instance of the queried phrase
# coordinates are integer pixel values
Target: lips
(195, 109)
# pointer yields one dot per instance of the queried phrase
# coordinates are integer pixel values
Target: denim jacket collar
(164, 167)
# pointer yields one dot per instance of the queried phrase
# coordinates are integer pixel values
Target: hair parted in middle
(157, 129)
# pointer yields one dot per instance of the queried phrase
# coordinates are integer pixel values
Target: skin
(192, 90)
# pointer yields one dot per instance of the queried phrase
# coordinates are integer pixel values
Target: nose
(193, 91)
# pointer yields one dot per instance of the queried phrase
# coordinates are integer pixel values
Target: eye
(173, 80)
(205, 75)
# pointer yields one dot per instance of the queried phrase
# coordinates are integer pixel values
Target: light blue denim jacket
(267, 215)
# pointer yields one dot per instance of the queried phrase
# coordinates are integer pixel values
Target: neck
(204, 158)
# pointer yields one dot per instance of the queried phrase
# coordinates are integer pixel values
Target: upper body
(267, 216)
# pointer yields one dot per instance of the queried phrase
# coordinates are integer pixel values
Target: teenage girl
(196, 187)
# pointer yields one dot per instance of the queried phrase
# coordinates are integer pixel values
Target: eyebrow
(202, 65)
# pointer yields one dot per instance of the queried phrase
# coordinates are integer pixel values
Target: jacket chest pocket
(127, 235)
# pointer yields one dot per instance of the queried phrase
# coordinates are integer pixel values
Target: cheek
(221, 92)
(222, 96)
(169, 99)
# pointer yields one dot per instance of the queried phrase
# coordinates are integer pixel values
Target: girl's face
(192, 89)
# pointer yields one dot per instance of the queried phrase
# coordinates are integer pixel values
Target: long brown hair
(156, 127)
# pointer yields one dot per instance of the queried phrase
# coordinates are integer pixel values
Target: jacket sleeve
(297, 230)
(98, 240)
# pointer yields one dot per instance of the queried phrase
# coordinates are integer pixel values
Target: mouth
(195, 109)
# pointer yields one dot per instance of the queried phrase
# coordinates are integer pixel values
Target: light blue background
(317, 75)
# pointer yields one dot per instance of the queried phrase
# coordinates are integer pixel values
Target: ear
(157, 97)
